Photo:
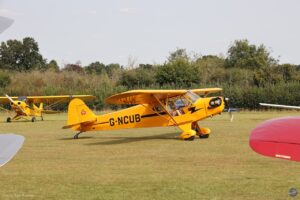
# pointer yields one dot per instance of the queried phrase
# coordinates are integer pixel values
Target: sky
(122, 31)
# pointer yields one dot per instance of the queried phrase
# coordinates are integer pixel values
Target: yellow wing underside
(147, 96)
(49, 99)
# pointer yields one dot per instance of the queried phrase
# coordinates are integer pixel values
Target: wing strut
(162, 105)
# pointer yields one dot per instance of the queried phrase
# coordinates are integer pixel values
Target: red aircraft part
(279, 138)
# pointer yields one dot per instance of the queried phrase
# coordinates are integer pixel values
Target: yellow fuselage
(142, 116)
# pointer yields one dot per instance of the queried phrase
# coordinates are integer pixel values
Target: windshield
(191, 96)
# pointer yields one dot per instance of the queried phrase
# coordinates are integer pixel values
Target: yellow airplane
(25, 107)
(153, 108)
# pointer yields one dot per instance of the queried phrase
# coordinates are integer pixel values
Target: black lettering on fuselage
(131, 118)
(127, 119)
(137, 118)
(120, 120)
(111, 122)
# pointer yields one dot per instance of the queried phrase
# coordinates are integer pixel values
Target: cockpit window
(191, 96)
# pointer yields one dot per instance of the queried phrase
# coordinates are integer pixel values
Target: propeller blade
(12, 101)
(229, 110)
(230, 115)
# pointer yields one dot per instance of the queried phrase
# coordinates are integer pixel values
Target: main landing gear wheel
(204, 136)
(8, 120)
(33, 119)
(190, 138)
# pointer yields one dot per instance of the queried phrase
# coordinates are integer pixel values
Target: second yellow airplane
(26, 107)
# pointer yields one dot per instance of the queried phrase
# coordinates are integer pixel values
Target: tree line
(248, 74)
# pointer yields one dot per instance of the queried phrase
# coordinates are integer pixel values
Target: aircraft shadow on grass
(123, 140)
(71, 138)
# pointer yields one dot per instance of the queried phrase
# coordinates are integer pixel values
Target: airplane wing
(279, 106)
(206, 91)
(9, 146)
(277, 138)
(61, 98)
(5, 23)
(48, 99)
(5, 100)
(147, 96)
(50, 111)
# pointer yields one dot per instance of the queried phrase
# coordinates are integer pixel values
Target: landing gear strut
(77, 134)
(202, 133)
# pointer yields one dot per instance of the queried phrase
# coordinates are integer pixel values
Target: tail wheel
(8, 120)
(33, 119)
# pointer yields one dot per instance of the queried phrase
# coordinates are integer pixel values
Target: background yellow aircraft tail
(79, 114)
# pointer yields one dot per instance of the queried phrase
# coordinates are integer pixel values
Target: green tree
(143, 76)
(21, 55)
(287, 72)
(95, 68)
(74, 68)
(211, 68)
(178, 54)
(111, 68)
(179, 72)
(52, 65)
(244, 55)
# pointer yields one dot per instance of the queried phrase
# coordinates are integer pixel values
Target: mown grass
(144, 164)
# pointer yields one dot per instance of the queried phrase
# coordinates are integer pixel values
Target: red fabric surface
(279, 138)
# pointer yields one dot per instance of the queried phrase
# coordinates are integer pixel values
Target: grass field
(144, 163)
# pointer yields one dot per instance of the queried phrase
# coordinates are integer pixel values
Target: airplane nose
(215, 102)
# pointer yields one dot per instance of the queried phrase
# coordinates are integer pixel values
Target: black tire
(8, 120)
(190, 138)
(204, 136)
(33, 119)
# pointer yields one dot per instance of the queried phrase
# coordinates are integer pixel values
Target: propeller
(12, 102)
(228, 109)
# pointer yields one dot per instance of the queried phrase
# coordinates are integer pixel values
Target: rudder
(79, 113)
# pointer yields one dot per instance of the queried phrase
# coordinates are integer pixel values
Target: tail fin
(38, 108)
(79, 113)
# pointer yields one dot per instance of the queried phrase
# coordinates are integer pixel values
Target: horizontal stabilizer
(50, 111)
(78, 124)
